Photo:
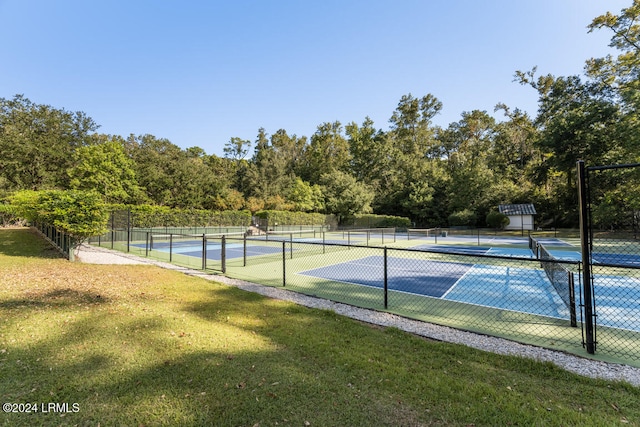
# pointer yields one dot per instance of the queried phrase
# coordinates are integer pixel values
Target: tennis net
(533, 245)
(168, 241)
(423, 233)
(288, 235)
(561, 278)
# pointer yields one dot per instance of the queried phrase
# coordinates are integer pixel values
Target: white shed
(520, 216)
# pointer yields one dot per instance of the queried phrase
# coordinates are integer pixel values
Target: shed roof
(522, 209)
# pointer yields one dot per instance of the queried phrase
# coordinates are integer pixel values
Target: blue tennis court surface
(309, 240)
(509, 288)
(631, 260)
(236, 252)
(214, 250)
(477, 250)
(613, 258)
(406, 275)
(613, 310)
(526, 290)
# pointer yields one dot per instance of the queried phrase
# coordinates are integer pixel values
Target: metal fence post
(113, 228)
(284, 263)
(572, 300)
(386, 280)
(223, 254)
(170, 247)
(204, 251)
(244, 251)
(586, 258)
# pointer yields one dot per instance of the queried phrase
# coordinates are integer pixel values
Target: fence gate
(609, 198)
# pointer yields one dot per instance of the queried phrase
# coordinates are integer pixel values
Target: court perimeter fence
(610, 248)
(61, 241)
(516, 298)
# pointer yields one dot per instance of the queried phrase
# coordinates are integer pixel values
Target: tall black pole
(284, 263)
(586, 257)
(386, 280)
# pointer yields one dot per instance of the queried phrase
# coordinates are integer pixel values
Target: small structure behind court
(520, 216)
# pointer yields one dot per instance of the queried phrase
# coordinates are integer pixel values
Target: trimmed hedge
(9, 216)
(378, 221)
(149, 216)
(80, 214)
(292, 218)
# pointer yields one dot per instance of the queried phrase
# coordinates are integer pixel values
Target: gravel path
(578, 365)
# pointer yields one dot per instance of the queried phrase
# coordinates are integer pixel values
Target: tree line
(437, 176)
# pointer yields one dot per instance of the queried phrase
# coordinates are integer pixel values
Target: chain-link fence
(529, 289)
(611, 250)
(514, 295)
(60, 240)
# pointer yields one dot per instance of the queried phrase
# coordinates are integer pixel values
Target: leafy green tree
(577, 120)
(474, 137)
(237, 148)
(289, 150)
(80, 214)
(467, 147)
(37, 143)
(225, 176)
(227, 200)
(172, 176)
(153, 158)
(467, 187)
(514, 151)
(327, 151)
(578, 123)
(368, 151)
(621, 73)
(409, 151)
(463, 218)
(344, 195)
(411, 126)
(426, 200)
(105, 168)
(305, 197)
(269, 173)
(619, 76)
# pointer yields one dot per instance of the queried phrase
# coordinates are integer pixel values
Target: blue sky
(201, 72)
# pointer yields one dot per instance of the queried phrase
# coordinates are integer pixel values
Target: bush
(379, 221)
(149, 216)
(463, 218)
(76, 213)
(292, 218)
(9, 216)
(497, 220)
(81, 214)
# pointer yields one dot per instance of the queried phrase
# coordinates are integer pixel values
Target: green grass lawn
(143, 346)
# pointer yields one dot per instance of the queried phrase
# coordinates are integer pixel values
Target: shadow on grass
(257, 361)
(24, 242)
(60, 298)
(141, 374)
